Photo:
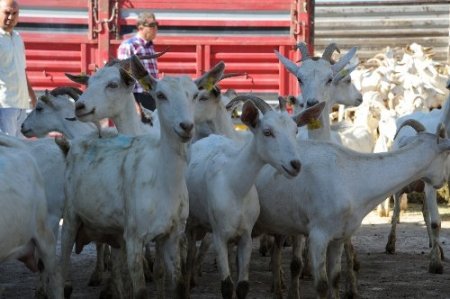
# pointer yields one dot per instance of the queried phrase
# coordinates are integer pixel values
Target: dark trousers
(146, 100)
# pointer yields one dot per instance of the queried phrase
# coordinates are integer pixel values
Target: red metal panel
(188, 54)
(54, 3)
(233, 5)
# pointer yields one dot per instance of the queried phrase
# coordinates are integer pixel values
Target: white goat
(54, 111)
(320, 85)
(111, 96)
(25, 232)
(331, 215)
(141, 191)
(225, 203)
(431, 212)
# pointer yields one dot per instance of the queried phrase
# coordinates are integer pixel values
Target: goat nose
(79, 106)
(296, 165)
(187, 126)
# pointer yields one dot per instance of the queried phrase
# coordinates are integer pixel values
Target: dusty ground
(403, 275)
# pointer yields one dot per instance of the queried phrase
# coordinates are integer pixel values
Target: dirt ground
(403, 275)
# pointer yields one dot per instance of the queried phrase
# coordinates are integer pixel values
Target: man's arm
(31, 93)
(124, 51)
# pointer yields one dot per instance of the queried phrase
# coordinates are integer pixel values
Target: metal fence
(374, 25)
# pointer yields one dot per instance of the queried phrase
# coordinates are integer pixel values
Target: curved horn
(230, 75)
(288, 64)
(80, 79)
(343, 73)
(344, 60)
(155, 55)
(73, 92)
(303, 50)
(329, 50)
(282, 103)
(258, 102)
(413, 124)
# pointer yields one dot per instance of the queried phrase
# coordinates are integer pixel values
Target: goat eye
(112, 85)
(267, 133)
(203, 98)
(161, 96)
(299, 81)
(329, 81)
(39, 109)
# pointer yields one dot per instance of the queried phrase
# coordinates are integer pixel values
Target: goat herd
(182, 178)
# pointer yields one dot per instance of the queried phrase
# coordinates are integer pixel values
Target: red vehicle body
(78, 36)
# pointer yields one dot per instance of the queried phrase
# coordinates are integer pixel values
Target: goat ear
(282, 103)
(288, 64)
(291, 100)
(343, 61)
(126, 77)
(309, 115)
(80, 79)
(231, 93)
(250, 115)
(63, 144)
(209, 79)
(141, 75)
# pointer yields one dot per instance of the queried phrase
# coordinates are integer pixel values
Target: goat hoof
(141, 294)
(39, 294)
(390, 246)
(242, 289)
(227, 288)
(67, 290)
(435, 268)
(95, 279)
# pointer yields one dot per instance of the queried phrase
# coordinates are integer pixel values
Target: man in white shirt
(15, 90)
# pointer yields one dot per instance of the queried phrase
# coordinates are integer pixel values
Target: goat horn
(303, 50)
(416, 125)
(441, 132)
(45, 98)
(282, 103)
(258, 102)
(73, 92)
(155, 55)
(329, 50)
(137, 68)
(344, 60)
(230, 75)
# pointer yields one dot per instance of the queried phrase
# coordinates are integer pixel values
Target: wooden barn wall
(374, 25)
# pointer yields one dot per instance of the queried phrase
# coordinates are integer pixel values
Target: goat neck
(418, 159)
(445, 117)
(253, 163)
(324, 131)
(128, 121)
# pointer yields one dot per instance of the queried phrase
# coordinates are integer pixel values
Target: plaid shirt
(137, 45)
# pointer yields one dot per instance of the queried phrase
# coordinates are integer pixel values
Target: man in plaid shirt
(142, 45)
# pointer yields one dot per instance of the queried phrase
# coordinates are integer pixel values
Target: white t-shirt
(13, 82)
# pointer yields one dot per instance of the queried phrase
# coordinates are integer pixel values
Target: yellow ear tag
(314, 124)
(145, 85)
(209, 85)
(344, 72)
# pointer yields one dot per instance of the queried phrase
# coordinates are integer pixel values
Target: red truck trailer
(79, 35)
